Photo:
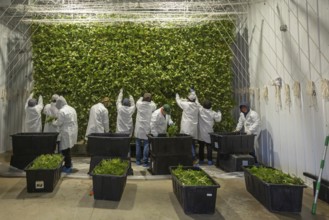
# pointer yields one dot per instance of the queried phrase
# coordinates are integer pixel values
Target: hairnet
(167, 109)
(147, 97)
(191, 97)
(32, 102)
(246, 104)
(207, 104)
(105, 99)
(126, 102)
(54, 97)
(60, 102)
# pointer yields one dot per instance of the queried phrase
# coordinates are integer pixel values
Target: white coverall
(250, 122)
(143, 118)
(33, 122)
(50, 110)
(125, 113)
(67, 123)
(159, 122)
(189, 121)
(98, 119)
(207, 119)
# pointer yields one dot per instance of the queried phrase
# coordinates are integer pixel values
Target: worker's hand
(177, 96)
(248, 132)
(171, 123)
(121, 90)
(155, 134)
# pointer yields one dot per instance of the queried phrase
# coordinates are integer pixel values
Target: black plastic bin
(108, 187)
(275, 197)
(94, 160)
(232, 142)
(34, 143)
(159, 165)
(234, 162)
(195, 199)
(42, 180)
(164, 146)
(21, 162)
(108, 144)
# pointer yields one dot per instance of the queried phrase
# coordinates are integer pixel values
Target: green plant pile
(189, 177)
(50, 119)
(85, 62)
(274, 176)
(172, 130)
(114, 166)
(47, 161)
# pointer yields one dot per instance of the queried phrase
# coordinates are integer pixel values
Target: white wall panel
(292, 137)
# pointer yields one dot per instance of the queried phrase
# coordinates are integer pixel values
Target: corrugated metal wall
(293, 128)
(15, 78)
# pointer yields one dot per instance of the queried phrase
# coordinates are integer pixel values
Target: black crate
(234, 162)
(323, 192)
(21, 162)
(180, 144)
(42, 180)
(159, 165)
(232, 142)
(94, 160)
(34, 143)
(195, 199)
(275, 197)
(108, 187)
(107, 144)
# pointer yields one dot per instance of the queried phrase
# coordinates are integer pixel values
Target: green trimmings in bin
(114, 166)
(46, 161)
(274, 176)
(191, 177)
(172, 130)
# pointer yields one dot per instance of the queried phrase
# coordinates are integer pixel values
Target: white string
(265, 93)
(287, 95)
(325, 88)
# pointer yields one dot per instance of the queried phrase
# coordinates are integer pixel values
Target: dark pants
(67, 157)
(254, 155)
(201, 151)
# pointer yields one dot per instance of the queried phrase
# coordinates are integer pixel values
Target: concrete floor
(144, 197)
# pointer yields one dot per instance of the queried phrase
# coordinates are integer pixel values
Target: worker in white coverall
(33, 108)
(190, 115)
(145, 106)
(160, 120)
(126, 108)
(99, 118)
(249, 120)
(51, 111)
(207, 119)
(68, 130)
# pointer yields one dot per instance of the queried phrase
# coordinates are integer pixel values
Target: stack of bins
(169, 151)
(233, 150)
(28, 146)
(106, 146)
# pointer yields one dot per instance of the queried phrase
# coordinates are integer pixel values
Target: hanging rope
(287, 95)
(311, 91)
(325, 88)
(296, 89)
(265, 93)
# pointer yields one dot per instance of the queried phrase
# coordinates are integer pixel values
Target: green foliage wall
(86, 62)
